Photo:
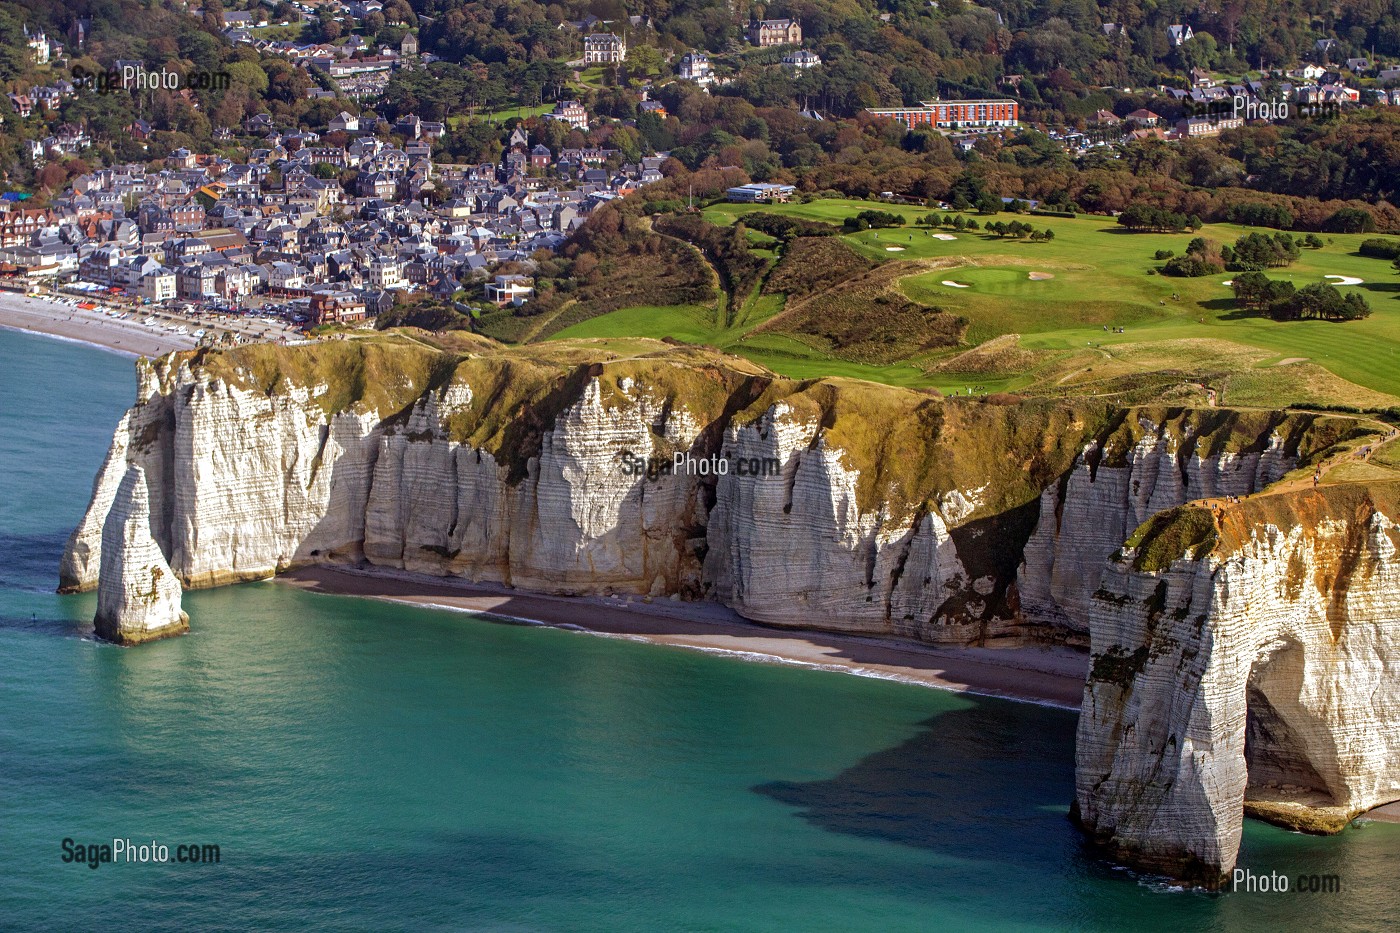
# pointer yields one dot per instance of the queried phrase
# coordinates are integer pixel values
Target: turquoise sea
(363, 766)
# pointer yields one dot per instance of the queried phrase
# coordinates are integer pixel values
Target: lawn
(1092, 279)
(499, 116)
(691, 323)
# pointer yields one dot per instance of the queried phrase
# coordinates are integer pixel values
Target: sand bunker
(1040, 276)
(1228, 282)
(944, 236)
(951, 284)
(1291, 360)
(1344, 279)
(894, 249)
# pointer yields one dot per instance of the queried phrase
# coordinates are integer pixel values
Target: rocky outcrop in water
(138, 597)
(840, 505)
(1243, 655)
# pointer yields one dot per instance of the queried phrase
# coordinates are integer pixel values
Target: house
(759, 191)
(1178, 35)
(604, 48)
(385, 272)
(652, 106)
(408, 47)
(344, 123)
(195, 281)
(285, 275)
(1388, 74)
(1196, 127)
(1308, 72)
(540, 156)
(1105, 118)
(38, 45)
(570, 112)
(1324, 47)
(1145, 117)
(101, 265)
(336, 307)
(1114, 31)
(157, 285)
(1358, 65)
(1339, 94)
(1202, 78)
(766, 33)
(509, 289)
(695, 66)
(801, 60)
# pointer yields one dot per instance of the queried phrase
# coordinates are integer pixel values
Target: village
(337, 224)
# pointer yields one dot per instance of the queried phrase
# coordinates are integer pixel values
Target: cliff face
(839, 507)
(846, 505)
(1144, 464)
(1244, 656)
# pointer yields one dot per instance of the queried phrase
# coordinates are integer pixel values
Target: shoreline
(1045, 676)
(129, 337)
(50, 319)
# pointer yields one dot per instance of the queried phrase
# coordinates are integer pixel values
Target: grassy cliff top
(1198, 531)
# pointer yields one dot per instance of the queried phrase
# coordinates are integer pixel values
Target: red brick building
(955, 114)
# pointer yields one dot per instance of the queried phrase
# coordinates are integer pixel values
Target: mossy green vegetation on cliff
(381, 375)
(1204, 530)
(1171, 535)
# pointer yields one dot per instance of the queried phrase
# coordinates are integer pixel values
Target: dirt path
(1360, 454)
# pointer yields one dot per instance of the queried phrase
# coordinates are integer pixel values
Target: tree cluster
(1280, 301)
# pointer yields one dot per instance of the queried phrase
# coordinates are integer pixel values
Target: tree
(1251, 290)
(988, 203)
(1355, 307)
(644, 60)
(1351, 220)
(1148, 217)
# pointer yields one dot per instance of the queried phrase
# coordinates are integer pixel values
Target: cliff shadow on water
(983, 788)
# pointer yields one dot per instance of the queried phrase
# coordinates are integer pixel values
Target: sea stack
(138, 596)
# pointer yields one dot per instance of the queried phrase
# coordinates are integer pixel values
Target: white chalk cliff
(886, 511)
(138, 597)
(1248, 654)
